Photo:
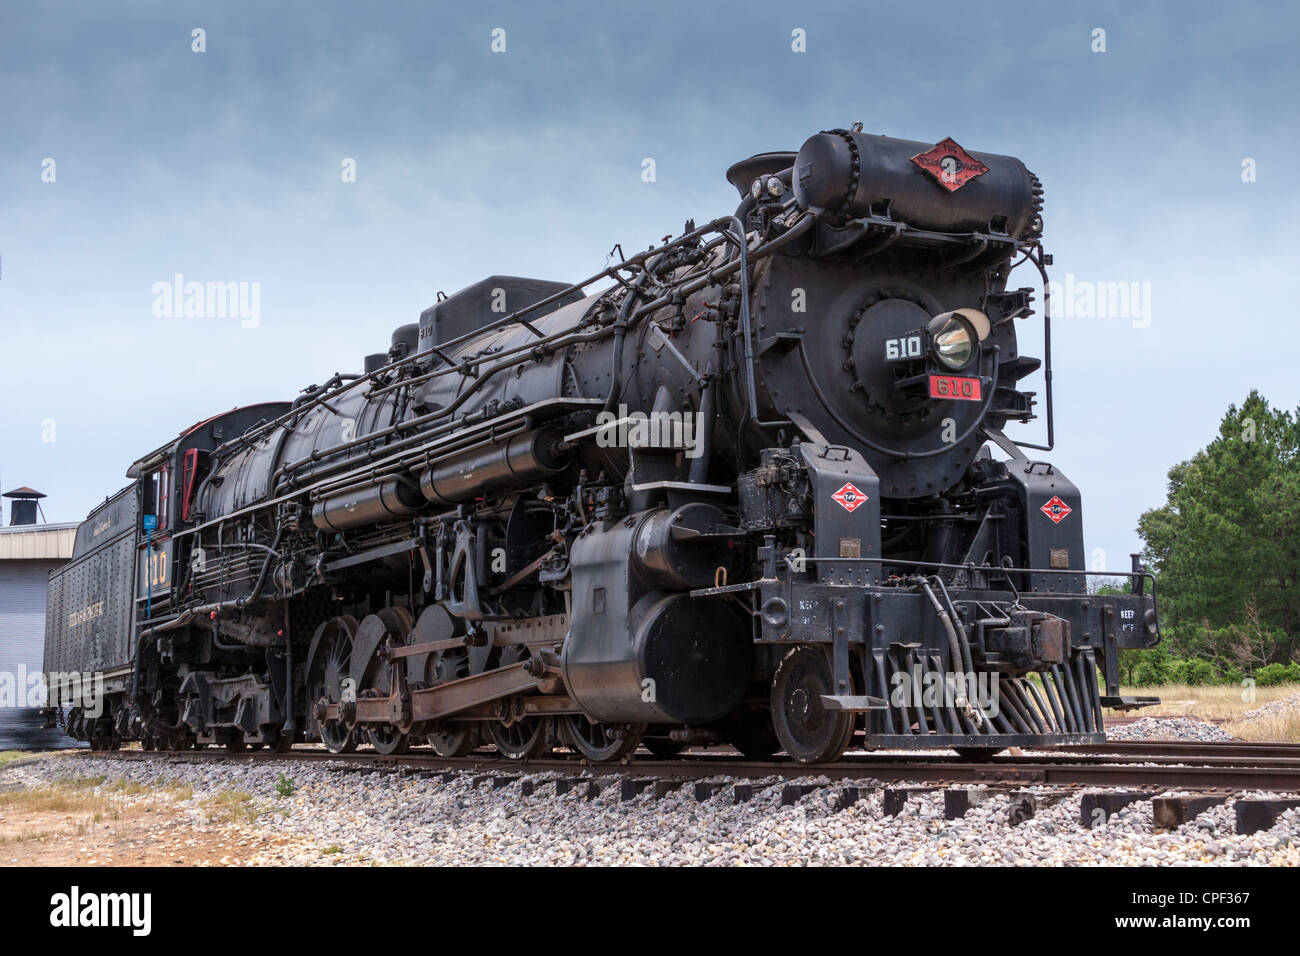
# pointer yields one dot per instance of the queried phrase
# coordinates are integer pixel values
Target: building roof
(38, 542)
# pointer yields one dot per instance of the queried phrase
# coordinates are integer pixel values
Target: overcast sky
(227, 166)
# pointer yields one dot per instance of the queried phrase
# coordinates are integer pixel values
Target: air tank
(514, 462)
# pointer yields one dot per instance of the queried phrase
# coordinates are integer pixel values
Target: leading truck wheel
(807, 730)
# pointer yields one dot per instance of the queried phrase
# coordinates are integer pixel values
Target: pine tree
(1226, 545)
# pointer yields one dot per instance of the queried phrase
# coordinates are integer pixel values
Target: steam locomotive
(750, 486)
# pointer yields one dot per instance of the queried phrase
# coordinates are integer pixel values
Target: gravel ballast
(1169, 728)
(1283, 708)
(341, 818)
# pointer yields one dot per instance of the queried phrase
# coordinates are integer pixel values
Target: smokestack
(26, 502)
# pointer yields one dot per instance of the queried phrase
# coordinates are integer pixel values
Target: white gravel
(1282, 708)
(338, 818)
(1169, 728)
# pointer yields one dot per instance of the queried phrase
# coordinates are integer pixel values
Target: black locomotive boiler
(749, 486)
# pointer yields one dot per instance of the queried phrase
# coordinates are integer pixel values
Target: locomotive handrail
(442, 413)
(1143, 575)
(633, 262)
(392, 461)
(511, 357)
(712, 276)
(685, 286)
(502, 360)
(1041, 265)
(397, 465)
(515, 356)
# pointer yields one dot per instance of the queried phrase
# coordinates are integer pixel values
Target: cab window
(163, 497)
(156, 496)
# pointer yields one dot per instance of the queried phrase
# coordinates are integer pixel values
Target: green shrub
(1156, 668)
(285, 786)
(1271, 675)
(1198, 673)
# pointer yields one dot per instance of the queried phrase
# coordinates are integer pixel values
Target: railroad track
(1105, 778)
(1239, 749)
(1188, 765)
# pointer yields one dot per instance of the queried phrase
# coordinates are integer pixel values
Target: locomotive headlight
(954, 340)
(756, 187)
(774, 186)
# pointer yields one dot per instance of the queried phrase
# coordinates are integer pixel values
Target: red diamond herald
(950, 165)
(1056, 509)
(849, 497)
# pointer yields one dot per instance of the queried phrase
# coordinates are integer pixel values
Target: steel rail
(1047, 770)
(1191, 749)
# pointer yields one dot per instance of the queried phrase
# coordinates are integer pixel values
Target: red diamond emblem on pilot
(1056, 509)
(950, 165)
(849, 497)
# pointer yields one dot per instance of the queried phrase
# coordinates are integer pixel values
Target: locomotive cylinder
(636, 653)
(855, 174)
(684, 549)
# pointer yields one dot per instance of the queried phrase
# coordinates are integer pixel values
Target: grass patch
(332, 849)
(28, 836)
(1275, 728)
(130, 788)
(1230, 706)
(178, 791)
(79, 783)
(233, 805)
(61, 799)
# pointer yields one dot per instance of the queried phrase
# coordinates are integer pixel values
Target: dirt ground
(80, 822)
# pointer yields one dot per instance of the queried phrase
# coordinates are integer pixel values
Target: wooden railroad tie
(1261, 814)
(1097, 806)
(1169, 813)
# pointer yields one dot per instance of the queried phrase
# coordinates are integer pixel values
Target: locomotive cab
(167, 481)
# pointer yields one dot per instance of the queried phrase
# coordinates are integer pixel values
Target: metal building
(28, 553)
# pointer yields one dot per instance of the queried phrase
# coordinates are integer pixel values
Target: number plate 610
(903, 349)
